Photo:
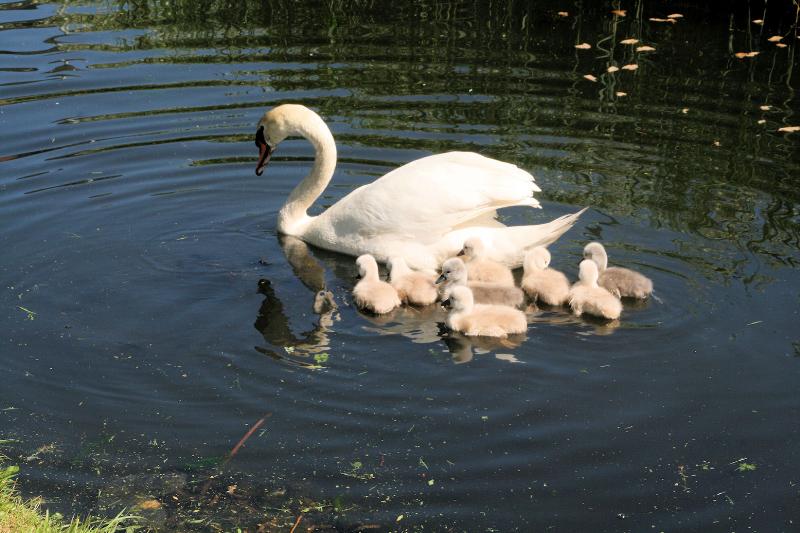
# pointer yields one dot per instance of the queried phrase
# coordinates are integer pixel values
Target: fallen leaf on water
(742, 55)
(645, 49)
(619, 12)
(149, 505)
(589, 77)
(612, 68)
(758, 21)
(231, 489)
(675, 16)
(685, 110)
(620, 93)
(765, 107)
(654, 19)
(781, 45)
(632, 66)
(762, 121)
(775, 38)
(629, 41)
(560, 14)
(583, 46)
(716, 143)
(789, 129)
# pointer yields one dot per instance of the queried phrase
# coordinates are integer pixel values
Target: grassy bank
(18, 515)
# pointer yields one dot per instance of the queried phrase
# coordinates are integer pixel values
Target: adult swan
(422, 211)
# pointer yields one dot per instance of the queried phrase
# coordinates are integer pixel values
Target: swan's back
(429, 197)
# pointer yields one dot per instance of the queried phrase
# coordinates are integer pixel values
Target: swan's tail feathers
(525, 237)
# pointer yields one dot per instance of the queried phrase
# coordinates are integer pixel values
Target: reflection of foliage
(503, 78)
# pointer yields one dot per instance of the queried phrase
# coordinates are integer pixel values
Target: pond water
(151, 315)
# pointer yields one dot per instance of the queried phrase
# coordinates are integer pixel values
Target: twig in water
(246, 436)
(297, 523)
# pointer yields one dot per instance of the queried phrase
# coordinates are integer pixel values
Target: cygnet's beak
(447, 304)
(460, 253)
(264, 151)
(440, 279)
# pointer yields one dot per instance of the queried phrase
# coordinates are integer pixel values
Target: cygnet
(586, 296)
(478, 319)
(370, 292)
(480, 268)
(542, 283)
(413, 287)
(454, 273)
(621, 282)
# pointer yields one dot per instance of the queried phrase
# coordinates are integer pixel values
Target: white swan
(422, 211)
(413, 287)
(621, 282)
(370, 292)
(484, 320)
(540, 282)
(586, 296)
(454, 274)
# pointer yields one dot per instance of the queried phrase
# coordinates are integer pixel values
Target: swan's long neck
(293, 216)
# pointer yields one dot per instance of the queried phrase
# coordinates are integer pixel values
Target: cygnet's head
(453, 271)
(588, 272)
(367, 266)
(281, 122)
(473, 247)
(596, 252)
(536, 259)
(460, 299)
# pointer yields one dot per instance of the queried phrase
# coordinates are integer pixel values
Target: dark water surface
(137, 342)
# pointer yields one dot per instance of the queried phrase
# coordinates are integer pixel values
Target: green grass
(18, 515)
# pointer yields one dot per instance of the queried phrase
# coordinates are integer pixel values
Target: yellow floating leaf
(589, 77)
(583, 46)
(762, 121)
(758, 21)
(560, 14)
(654, 19)
(620, 93)
(781, 45)
(619, 12)
(716, 143)
(632, 66)
(685, 110)
(775, 38)
(789, 129)
(629, 41)
(675, 16)
(612, 68)
(742, 55)
(149, 505)
(765, 107)
(645, 49)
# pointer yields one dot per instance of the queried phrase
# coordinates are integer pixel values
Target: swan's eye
(260, 140)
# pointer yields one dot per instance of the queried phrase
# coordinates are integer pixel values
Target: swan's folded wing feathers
(428, 197)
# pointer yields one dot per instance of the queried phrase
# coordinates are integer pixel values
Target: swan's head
(588, 273)
(460, 299)
(453, 271)
(473, 247)
(536, 259)
(367, 266)
(596, 252)
(277, 124)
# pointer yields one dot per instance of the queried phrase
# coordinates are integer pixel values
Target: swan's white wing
(429, 197)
